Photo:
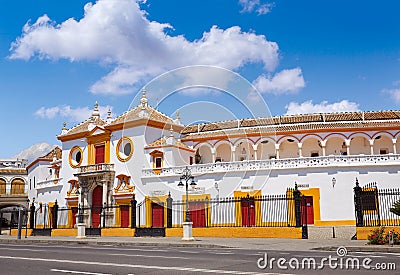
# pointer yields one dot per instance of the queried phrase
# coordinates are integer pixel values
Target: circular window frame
(72, 162)
(119, 151)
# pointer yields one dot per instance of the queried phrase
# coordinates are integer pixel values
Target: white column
(323, 144)
(213, 154)
(371, 146)
(255, 147)
(394, 146)
(233, 150)
(300, 145)
(277, 150)
(347, 142)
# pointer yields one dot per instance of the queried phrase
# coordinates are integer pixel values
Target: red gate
(124, 209)
(307, 210)
(197, 214)
(157, 214)
(97, 203)
(248, 212)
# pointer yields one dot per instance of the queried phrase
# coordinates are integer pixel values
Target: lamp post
(26, 217)
(187, 225)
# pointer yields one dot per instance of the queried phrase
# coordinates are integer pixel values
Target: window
(158, 162)
(384, 151)
(314, 154)
(124, 149)
(75, 157)
(17, 187)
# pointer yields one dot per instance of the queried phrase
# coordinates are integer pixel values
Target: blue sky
(302, 56)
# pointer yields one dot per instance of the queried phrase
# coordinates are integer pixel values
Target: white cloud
(73, 114)
(308, 107)
(255, 5)
(394, 94)
(119, 33)
(286, 81)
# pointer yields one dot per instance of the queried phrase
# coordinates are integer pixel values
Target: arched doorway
(97, 203)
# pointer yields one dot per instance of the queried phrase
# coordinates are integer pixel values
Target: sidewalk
(236, 243)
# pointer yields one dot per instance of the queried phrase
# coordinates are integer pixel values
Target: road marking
(23, 249)
(203, 270)
(77, 272)
(148, 256)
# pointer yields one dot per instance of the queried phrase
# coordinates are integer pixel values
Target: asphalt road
(80, 259)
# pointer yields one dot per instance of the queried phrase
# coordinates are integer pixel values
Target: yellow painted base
(335, 223)
(117, 232)
(239, 232)
(14, 232)
(64, 232)
(363, 232)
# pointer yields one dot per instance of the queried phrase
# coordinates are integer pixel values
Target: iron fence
(284, 210)
(373, 205)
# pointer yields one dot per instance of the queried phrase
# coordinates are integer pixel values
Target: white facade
(147, 150)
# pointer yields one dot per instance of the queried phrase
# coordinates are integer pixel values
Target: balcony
(288, 163)
(95, 168)
(48, 183)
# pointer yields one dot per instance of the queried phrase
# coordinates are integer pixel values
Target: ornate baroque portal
(96, 186)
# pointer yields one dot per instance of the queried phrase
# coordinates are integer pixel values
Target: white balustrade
(288, 163)
(96, 168)
(48, 183)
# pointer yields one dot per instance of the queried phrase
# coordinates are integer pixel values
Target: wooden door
(197, 214)
(97, 203)
(100, 150)
(248, 212)
(124, 215)
(307, 210)
(157, 211)
(74, 212)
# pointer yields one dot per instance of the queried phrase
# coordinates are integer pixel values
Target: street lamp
(187, 176)
(187, 225)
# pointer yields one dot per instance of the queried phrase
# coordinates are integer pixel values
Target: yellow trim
(119, 202)
(71, 204)
(149, 213)
(335, 223)
(363, 232)
(117, 232)
(71, 161)
(118, 152)
(240, 232)
(101, 139)
(107, 151)
(64, 232)
(257, 206)
(314, 192)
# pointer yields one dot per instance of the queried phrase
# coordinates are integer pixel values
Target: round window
(75, 157)
(124, 149)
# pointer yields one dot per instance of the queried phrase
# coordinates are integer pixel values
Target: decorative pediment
(156, 153)
(97, 130)
(74, 186)
(124, 184)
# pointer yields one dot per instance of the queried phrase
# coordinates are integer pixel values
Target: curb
(93, 242)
